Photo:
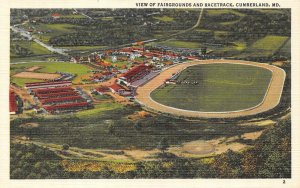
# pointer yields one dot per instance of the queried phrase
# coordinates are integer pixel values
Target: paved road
(270, 101)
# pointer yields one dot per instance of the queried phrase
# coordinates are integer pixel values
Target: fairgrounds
(271, 98)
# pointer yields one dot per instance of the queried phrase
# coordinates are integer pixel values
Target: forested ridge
(270, 157)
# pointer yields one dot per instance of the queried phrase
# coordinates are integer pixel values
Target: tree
(137, 125)
(111, 128)
(65, 147)
(163, 144)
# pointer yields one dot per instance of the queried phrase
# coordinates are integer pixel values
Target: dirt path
(23, 94)
(271, 99)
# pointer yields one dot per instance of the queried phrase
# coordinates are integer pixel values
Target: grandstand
(134, 74)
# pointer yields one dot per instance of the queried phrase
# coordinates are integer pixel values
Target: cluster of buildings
(127, 83)
(102, 76)
(57, 97)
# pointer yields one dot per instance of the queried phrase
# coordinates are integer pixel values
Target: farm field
(181, 44)
(218, 89)
(265, 46)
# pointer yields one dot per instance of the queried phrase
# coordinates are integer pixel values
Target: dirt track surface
(271, 100)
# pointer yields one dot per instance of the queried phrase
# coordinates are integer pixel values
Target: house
(107, 75)
(55, 15)
(75, 59)
(102, 90)
(115, 88)
(84, 59)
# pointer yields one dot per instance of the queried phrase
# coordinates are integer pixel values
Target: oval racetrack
(271, 99)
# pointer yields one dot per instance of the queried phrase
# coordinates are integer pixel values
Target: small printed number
(283, 182)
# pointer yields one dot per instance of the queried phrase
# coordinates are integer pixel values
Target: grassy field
(266, 46)
(35, 48)
(213, 12)
(57, 28)
(73, 16)
(269, 43)
(180, 44)
(164, 18)
(268, 11)
(102, 97)
(82, 47)
(52, 30)
(106, 18)
(286, 49)
(98, 109)
(216, 12)
(48, 67)
(222, 87)
(21, 81)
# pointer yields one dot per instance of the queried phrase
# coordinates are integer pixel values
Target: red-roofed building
(13, 108)
(102, 90)
(52, 90)
(62, 100)
(55, 15)
(67, 107)
(55, 95)
(37, 85)
(115, 88)
(134, 74)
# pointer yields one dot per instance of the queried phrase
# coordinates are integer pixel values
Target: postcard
(150, 93)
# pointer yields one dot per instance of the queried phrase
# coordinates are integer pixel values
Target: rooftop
(12, 102)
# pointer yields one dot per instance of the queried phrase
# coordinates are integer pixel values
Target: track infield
(265, 99)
